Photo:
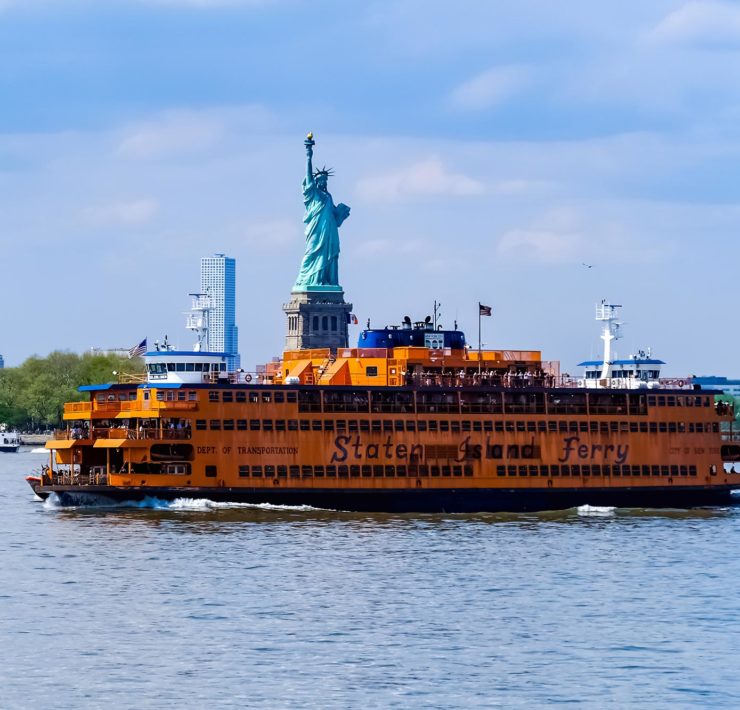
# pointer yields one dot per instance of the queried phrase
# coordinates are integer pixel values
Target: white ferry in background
(10, 441)
(639, 371)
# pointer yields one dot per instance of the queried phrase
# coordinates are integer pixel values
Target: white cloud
(175, 132)
(271, 233)
(490, 87)
(131, 212)
(421, 179)
(540, 245)
(374, 248)
(703, 23)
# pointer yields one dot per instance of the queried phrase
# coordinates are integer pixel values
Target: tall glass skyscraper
(218, 280)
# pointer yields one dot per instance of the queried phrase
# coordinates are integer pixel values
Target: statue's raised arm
(320, 266)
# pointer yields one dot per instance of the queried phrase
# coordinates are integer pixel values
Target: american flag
(137, 350)
(484, 310)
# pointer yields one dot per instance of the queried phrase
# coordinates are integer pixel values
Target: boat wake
(53, 502)
(596, 511)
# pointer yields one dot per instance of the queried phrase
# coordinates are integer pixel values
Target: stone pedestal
(317, 318)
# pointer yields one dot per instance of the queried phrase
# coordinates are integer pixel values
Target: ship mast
(607, 313)
(198, 319)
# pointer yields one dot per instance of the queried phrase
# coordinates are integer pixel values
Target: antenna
(198, 319)
(607, 313)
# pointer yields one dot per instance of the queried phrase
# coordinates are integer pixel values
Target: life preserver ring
(681, 383)
(247, 377)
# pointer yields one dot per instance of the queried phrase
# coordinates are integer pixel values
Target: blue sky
(487, 150)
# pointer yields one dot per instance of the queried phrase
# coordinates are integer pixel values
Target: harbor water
(192, 604)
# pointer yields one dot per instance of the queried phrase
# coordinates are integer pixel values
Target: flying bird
(588, 266)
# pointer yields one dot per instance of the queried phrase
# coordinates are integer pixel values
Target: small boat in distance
(10, 441)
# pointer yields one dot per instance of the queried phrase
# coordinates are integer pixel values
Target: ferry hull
(441, 500)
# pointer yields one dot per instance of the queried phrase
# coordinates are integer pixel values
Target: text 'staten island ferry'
(411, 419)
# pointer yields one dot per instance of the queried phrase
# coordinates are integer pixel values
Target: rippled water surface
(197, 605)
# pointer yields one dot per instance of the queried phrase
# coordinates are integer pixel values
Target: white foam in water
(39, 450)
(205, 504)
(596, 510)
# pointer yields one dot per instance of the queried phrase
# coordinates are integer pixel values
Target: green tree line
(33, 395)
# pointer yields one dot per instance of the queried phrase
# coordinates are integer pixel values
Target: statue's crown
(328, 172)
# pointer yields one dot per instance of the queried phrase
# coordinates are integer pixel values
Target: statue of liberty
(320, 265)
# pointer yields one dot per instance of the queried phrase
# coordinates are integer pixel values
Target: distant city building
(218, 281)
(712, 382)
(2, 362)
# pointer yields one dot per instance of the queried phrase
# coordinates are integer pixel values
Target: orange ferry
(421, 424)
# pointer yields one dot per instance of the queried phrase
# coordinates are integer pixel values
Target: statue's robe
(320, 265)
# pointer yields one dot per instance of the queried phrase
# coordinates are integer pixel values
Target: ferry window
(171, 396)
(241, 424)
(316, 425)
(565, 470)
(215, 424)
(444, 425)
(499, 426)
(487, 425)
(679, 401)
(421, 426)
(411, 426)
(387, 425)
(672, 428)
(573, 426)
(699, 428)
(651, 400)
(665, 471)
(457, 470)
(586, 470)
(307, 471)
(635, 470)
(626, 470)
(295, 471)
(555, 470)
(614, 426)
(257, 471)
(293, 425)
(500, 470)
(378, 471)
(655, 470)
(432, 425)
(531, 426)
(282, 471)
(213, 396)
(434, 471)
(181, 396)
(280, 397)
(583, 426)
(241, 396)
(170, 367)
(446, 471)
(692, 470)
(661, 401)
(341, 425)
(643, 427)
(390, 471)
(346, 401)
(160, 396)
(596, 469)
(309, 401)
(352, 425)
(254, 424)
(243, 471)
(254, 397)
(211, 471)
(455, 425)
(511, 470)
(267, 425)
(575, 470)
(318, 471)
(328, 425)
(291, 397)
(200, 424)
(269, 472)
(189, 367)
(646, 470)
(674, 470)
(367, 471)
(267, 397)
(466, 425)
(624, 427)
(343, 471)
(653, 426)
(633, 427)
(371, 371)
(227, 396)
(280, 425)
(180, 367)
(522, 470)
(228, 425)
(477, 426)
(671, 401)
(662, 427)
(715, 427)
(398, 424)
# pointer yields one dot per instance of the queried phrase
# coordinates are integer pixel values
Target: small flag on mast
(484, 310)
(137, 350)
(352, 318)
